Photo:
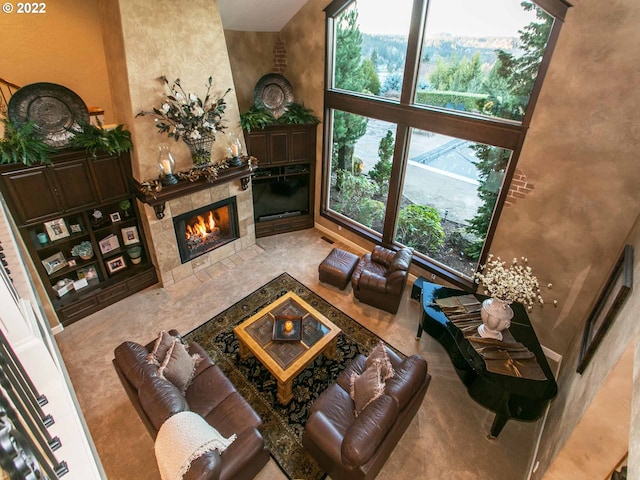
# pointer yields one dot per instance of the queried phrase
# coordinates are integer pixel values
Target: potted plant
(125, 205)
(23, 144)
(84, 250)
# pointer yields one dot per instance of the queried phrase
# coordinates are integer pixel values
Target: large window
(426, 105)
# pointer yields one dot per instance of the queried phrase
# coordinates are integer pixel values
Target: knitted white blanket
(181, 439)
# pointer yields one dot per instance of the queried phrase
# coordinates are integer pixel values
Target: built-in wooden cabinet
(80, 198)
(286, 157)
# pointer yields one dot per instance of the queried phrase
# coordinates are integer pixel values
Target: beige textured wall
(251, 57)
(63, 46)
(160, 38)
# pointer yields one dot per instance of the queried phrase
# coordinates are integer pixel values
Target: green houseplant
(294, 114)
(96, 139)
(23, 144)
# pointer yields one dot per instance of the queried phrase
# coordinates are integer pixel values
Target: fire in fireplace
(207, 228)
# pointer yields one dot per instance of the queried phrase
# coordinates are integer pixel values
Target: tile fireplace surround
(162, 238)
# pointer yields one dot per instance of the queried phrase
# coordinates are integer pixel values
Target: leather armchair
(380, 277)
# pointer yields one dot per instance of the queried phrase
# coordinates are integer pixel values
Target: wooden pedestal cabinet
(283, 185)
(79, 198)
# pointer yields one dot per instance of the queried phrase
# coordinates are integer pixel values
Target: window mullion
(414, 49)
(394, 198)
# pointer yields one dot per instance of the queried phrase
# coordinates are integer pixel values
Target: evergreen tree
(347, 127)
(381, 171)
(373, 82)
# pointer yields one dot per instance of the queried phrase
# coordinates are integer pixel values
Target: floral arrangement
(187, 116)
(510, 283)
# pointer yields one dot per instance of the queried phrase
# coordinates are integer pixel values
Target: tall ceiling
(257, 15)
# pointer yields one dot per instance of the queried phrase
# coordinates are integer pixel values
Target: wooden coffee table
(286, 358)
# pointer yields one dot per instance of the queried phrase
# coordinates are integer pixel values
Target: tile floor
(447, 439)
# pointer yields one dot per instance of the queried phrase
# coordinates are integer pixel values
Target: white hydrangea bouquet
(187, 116)
(510, 283)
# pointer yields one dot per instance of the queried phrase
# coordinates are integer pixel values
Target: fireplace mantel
(158, 199)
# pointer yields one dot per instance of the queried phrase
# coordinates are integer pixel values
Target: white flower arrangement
(513, 283)
(184, 115)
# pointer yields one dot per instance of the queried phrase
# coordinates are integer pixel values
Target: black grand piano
(506, 395)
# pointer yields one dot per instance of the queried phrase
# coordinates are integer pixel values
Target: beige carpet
(447, 439)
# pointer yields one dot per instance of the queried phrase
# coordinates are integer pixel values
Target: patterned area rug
(283, 425)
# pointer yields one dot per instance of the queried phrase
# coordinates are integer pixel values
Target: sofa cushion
(160, 348)
(208, 389)
(368, 386)
(233, 415)
(379, 354)
(160, 399)
(131, 359)
(336, 407)
(409, 377)
(368, 431)
(178, 366)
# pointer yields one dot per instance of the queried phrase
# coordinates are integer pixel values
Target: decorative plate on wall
(273, 92)
(53, 108)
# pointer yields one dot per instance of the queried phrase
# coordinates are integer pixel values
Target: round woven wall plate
(53, 108)
(273, 92)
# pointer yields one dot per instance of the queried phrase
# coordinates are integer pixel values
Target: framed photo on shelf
(116, 264)
(88, 273)
(115, 217)
(75, 227)
(108, 244)
(54, 263)
(56, 229)
(604, 312)
(130, 235)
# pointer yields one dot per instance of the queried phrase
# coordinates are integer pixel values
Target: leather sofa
(211, 395)
(380, 277)
(351, 448)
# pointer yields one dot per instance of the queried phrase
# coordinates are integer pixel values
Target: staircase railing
(6, 90)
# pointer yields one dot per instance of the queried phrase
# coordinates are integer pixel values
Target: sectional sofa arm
(322, 433)
(368, 431)
(160, 399)
(206, 467)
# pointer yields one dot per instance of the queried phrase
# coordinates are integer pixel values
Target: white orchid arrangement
(510, 283)
(187, 116)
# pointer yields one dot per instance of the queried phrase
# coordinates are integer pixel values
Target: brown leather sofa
(211, 395)
(351, 448)
(380, 277)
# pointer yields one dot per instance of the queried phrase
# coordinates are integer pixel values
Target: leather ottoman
(337, 268)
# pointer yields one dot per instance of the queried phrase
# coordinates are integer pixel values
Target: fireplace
(207, 228)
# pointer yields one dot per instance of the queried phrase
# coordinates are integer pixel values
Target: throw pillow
(178, 366)
(366, 387)
(160, 348)
(379, 353)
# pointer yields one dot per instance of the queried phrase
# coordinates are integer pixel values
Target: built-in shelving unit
(80, 198)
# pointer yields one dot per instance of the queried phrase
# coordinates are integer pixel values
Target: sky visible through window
(468, 18)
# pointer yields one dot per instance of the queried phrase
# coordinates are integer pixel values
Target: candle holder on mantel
(167, 165)
(235, 150)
